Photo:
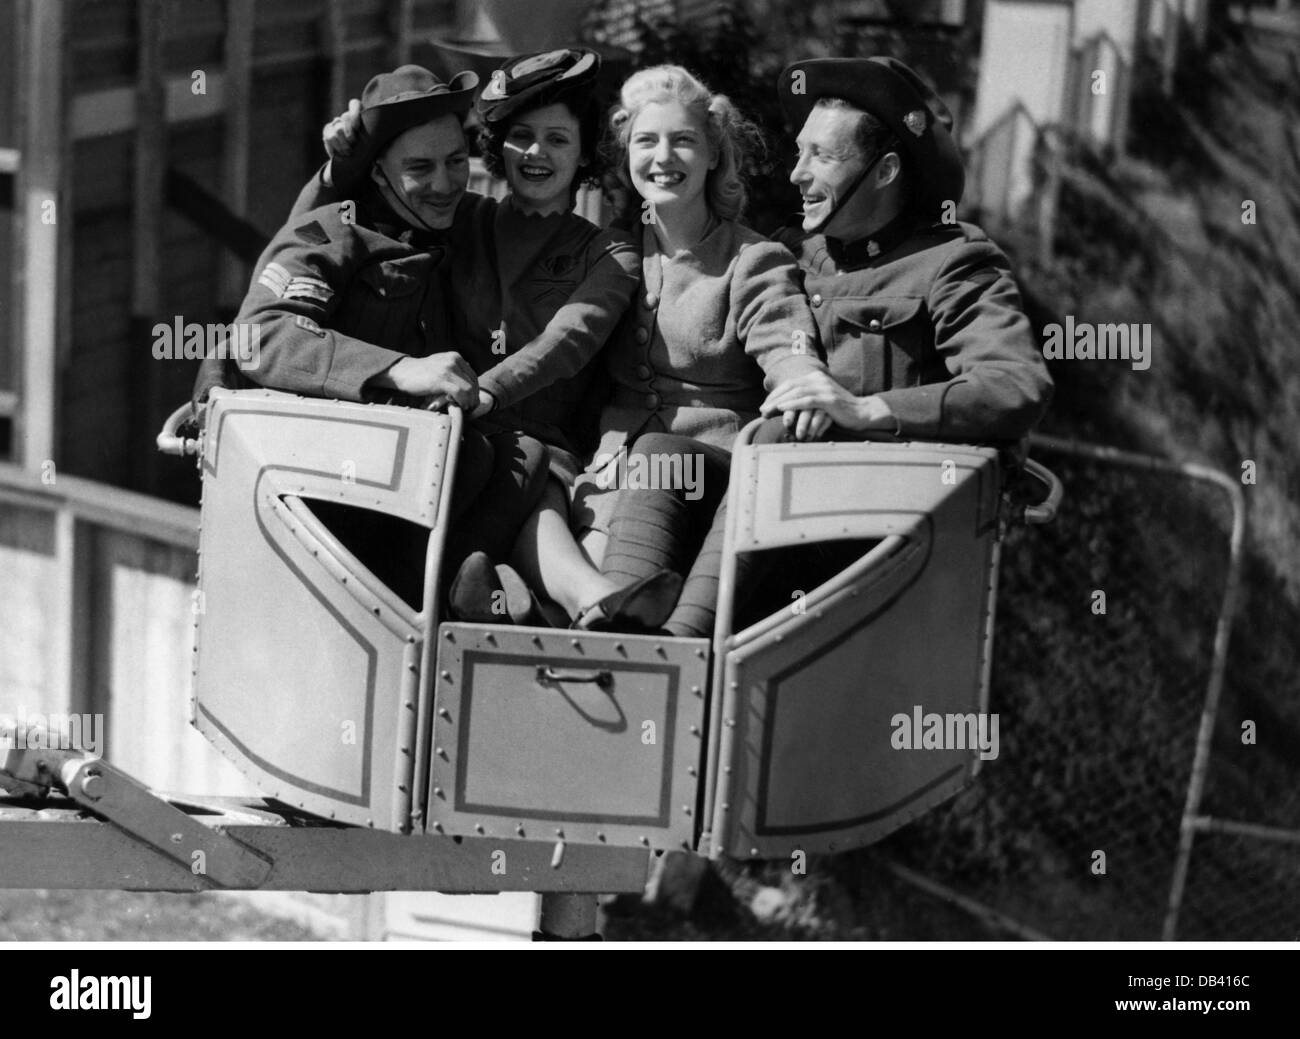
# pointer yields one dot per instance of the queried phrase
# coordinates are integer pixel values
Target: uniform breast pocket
(878, 342)
(386, 309)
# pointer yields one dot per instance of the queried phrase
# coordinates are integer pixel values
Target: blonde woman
(719, 316)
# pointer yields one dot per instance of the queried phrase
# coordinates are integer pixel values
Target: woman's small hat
(535, 80)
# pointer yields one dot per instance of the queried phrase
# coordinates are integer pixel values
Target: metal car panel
(308, 671)
(583, 737)
(900, 636)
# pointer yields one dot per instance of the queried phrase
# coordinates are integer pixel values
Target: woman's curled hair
(735, 140)
(585, 108)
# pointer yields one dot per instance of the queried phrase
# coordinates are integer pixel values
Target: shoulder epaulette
(312, 232)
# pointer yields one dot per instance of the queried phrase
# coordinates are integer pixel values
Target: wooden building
(148, 150)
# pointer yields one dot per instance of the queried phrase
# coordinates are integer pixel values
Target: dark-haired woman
(535, 289)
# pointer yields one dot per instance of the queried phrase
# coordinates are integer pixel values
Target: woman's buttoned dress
(712, 329)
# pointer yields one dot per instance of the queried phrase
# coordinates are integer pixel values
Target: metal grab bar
(169, 440)
(1045, 510)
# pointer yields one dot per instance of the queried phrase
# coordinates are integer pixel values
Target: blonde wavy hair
(733, 138)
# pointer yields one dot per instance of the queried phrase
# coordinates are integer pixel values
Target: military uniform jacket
(530, 302)
(929, 318)
(711, 327)
(534, 300)
(331, 287)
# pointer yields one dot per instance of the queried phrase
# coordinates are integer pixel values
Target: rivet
(726, 769)
(441, 753)
(401, 787)
(700, 653)
(599, 836)
(177, 838)
(537, 641)
(478, 828)
(559, 832)
(731, 723)
(437, 827)
(519, 831)
(446, 676)
(618, 648)
(753, 852)
(686, 809)
(645, 841)
(410, 706)
(450, 636)
(696, 690)
(726, 806)
(491, 639)
(695, 730)
(444, 713)
(691, 770)
(437, 791)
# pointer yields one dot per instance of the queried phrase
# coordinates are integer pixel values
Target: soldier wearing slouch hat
(919, 315)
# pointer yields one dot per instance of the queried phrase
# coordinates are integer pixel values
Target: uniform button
(651, 301)
(643, 371)
(816, 299)
(652, 401)
(642, 336)
(874, 324)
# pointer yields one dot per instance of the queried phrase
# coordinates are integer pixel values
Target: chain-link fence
(1103, 655)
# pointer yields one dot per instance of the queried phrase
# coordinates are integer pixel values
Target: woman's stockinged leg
(698, 605)
(551, 560)
(657, 528)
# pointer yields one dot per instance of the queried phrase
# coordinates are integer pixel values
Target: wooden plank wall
(114, 395)
(95, 616)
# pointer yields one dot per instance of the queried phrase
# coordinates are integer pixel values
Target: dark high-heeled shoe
(644, 605)
(522, 605)
(487, 594)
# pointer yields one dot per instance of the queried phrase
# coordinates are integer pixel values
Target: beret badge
(915, 121)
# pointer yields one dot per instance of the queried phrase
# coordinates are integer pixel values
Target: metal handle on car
(604, 679)
(1045, 510)
(169, 441)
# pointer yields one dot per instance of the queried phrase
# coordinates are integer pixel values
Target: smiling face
(669, 157)
(427, 169)
(542, 151)
(830, 161)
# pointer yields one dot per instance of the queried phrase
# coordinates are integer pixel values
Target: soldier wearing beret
(919, 315)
